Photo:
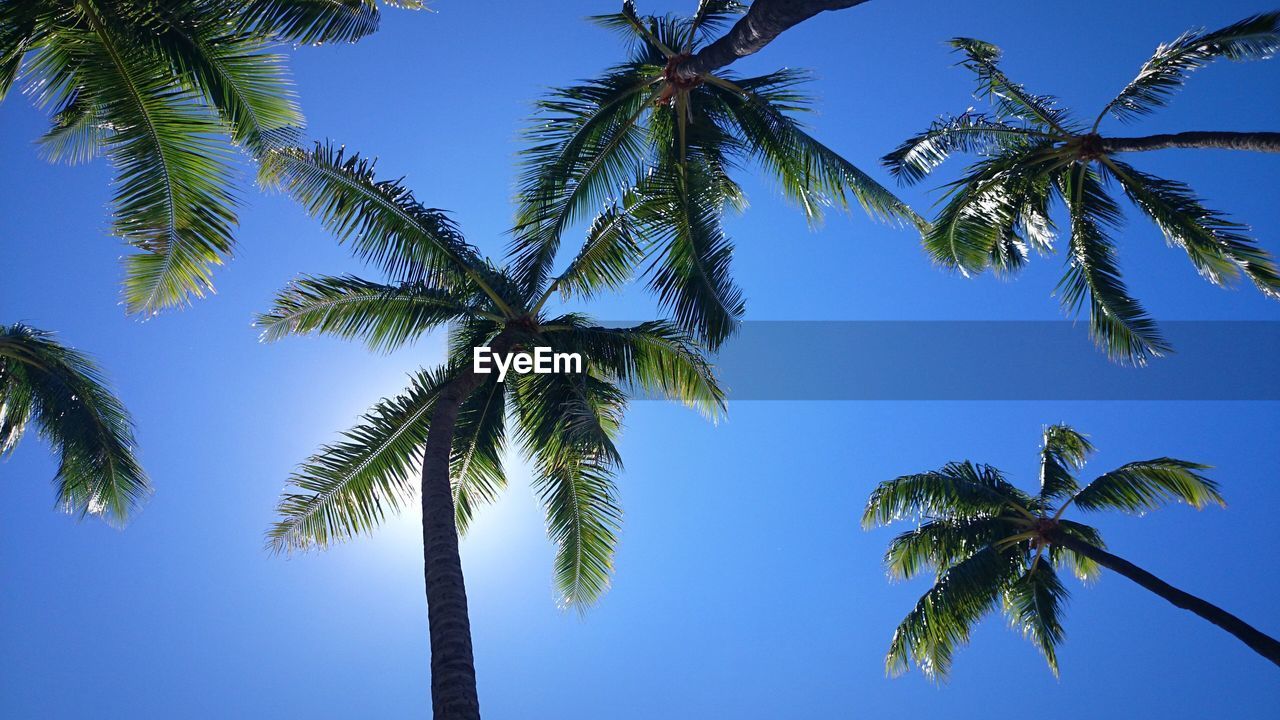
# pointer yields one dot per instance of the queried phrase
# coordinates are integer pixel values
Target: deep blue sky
(745, 588)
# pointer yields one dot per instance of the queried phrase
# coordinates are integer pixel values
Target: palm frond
(958, 490)
(475, 466)
(1064, 451)
(1149, 484)
(64, 393)
(381, 219)
(652, 357)
(942, 619)
(314, 22)
(1117, 322)
(1034, 605)
(385, 317)
(1217, 247)
(1009, 98)
(972, 133)
(1254, 38)
(587, 149)
(711, 18)
(1085, 569)
(608, 257)
(350, 486)
(938, 544)
(808, 172)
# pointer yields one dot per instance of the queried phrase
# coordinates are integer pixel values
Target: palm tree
(989, 543)
(453, 419)
(158, 87)
(645, 146)
(63, 393)
(1034, 153)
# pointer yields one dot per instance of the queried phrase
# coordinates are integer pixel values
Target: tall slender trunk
(1268, 142)
(766, 20)
(453, 672)
(1261, 643)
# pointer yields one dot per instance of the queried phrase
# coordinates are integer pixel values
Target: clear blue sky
(745, 588)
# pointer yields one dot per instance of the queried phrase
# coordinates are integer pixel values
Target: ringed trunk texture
(764, 21)
(453, 672)
(1267, 142)
(1261, 643)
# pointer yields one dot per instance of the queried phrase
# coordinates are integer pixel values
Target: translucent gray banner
(855, 360)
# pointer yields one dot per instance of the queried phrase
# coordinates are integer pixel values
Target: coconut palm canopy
(160, 89)
(650, 158)
(992, 546)
(1035, 153)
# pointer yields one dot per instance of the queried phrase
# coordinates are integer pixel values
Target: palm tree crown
(1035, 153)
(990, 544)
(567, 423)
(63, 393)
(650, 154)
(158, 87)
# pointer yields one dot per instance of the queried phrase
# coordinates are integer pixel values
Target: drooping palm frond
(1218, 247)
(568, 423)
(651, 357)
(64, 394)
(1063, 453)
(1150, 484)
(314, 22)
(1117, 322)
(944, 616)
(1084, 568)
(475, 466)
(807, 171)
(349, 486)
(173, 199)
(384, 316)
(1033, 604)
(608, 258)
(959, 488)
(1254, 38)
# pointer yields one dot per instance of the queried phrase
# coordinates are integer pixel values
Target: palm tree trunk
(1267, 142)
(453, 672)
(766, 20)
(1263, 644)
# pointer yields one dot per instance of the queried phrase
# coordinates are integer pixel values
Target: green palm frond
(972, 133)
(64, 394)
(608, 257)
(313, 22)
(587, 149)
(172, 199)
(1085, 569)
(1217, 247)
(944, 616)
(691, 270)
(475, 466)
(385, 317)
(1117, 322)
(938, 544)
(349, 486)
(958, 489)
(711, 18)
(1034, 606)
(1149, 484)
(381, 219)
(78, 132)
(568, 424)
(1254, 38)
(1009, 98)
(808, 172)
(653, 357)
(1063, 452)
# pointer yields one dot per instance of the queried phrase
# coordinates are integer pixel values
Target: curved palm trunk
(453, 672)
(766, 20)
(1268, 142)
(1263, 644)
